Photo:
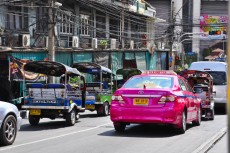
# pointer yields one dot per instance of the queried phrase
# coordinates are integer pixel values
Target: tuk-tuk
(54, 100)
(125, 74)
(202, 84)
(99, 91)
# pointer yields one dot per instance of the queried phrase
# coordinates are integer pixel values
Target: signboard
(213, 27)
(17, 73)
(220, 59)
(191, 53)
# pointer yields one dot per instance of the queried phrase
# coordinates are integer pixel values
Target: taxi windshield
(150, 82)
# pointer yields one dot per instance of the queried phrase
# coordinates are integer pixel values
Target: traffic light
(177, 60)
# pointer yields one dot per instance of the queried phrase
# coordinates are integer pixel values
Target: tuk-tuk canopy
(50, 68)
(195, 73)
(92, 68)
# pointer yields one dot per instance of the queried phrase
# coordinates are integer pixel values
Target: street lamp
(180, 43)
(194, 33)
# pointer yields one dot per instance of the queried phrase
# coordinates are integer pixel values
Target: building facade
(113, 33)
(191, 16)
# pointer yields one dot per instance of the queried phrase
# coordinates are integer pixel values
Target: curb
(206, 146)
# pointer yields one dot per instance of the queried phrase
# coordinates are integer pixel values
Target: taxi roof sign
(166, 72)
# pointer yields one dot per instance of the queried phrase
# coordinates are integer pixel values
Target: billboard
(213, 27)
(16, 72)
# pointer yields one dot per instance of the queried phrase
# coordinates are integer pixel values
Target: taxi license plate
(141, 101)
(35, 112)
(90, 106)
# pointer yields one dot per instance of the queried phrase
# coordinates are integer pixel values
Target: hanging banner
(17, 73)
(213, 27)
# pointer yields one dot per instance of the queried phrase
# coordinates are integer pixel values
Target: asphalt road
(93, 134)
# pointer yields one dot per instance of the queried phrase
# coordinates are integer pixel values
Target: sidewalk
(221, 146)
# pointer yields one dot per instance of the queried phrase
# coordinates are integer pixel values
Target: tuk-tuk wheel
(106, 109)
(71, 117)
(77, 116)
(34, 120)
(213, 114)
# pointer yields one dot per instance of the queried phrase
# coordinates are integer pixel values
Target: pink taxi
(155, 97)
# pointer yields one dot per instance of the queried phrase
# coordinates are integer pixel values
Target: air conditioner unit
(0, 41)
(73, 41)
(112, 43)
(94, 43)
(154, 14)
(24, 40)
(131, 44)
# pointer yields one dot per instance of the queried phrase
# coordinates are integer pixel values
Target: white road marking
(205, 146)
(63, 135)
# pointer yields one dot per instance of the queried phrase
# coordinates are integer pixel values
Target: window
(66, 23)
(219, 78)
(188, 86)
(16, 18)
(182, 85)
(42, 20)
(84, 25)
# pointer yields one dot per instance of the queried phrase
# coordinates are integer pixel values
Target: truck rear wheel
(34, 120)
(71, 117)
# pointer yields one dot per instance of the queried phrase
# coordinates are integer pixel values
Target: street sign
(170, 59)
(219, 59)
(191, 53)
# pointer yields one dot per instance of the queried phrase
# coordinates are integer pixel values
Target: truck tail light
(26, 101)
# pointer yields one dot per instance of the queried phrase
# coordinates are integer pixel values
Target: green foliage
(103, 42)
(74, 80)
(190, 58)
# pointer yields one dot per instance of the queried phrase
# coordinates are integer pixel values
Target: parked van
(218, 70)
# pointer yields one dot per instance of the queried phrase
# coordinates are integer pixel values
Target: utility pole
(228, 82)
(171, 30)
(122, 26)
(51, 48)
